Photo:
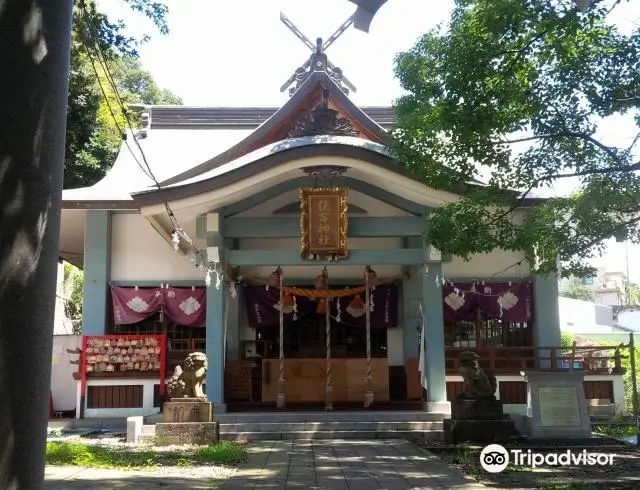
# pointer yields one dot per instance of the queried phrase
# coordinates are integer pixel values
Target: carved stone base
(476, 409)
(180, 410)
(191, 433)
(479, 431)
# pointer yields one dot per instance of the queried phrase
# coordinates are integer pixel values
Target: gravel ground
(624, 474)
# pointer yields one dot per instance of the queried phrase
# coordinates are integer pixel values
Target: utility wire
(146, 168)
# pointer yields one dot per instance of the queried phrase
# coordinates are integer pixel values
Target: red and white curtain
(184, 306)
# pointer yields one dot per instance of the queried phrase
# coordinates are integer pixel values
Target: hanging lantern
(356, 307)
(322, 284)
(372, 277)
(273, 281)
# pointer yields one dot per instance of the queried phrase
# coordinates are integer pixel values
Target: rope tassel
(280, 402)
(368, 395)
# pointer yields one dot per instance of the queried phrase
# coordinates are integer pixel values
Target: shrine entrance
(323, 349)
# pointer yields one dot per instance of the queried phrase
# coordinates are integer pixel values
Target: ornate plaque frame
(323, 223)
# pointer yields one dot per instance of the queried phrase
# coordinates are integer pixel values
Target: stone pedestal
(476, 409)
(480, 431)
(556, 405)
(180, 410)
(478, 420)
(191, 433)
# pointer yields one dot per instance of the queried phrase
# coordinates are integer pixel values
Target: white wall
(630, 319)
(609, 298)
(147, 399)
(63, 386)
(139, 253)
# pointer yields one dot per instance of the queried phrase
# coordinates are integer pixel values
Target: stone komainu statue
(477, 382)
(187, 382)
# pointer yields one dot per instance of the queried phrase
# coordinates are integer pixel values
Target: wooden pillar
(216, 297)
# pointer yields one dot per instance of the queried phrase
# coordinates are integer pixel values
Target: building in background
(611, 288)
(583, 317)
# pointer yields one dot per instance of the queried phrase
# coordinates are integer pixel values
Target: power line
(178, 231)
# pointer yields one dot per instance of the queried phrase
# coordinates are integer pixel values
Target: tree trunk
(34, 73)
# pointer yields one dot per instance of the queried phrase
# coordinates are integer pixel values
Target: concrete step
(307, 417)
(91, 423)
(431, 435)
(331, 426)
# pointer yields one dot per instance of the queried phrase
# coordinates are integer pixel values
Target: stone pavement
(280, 465)
(345, 465)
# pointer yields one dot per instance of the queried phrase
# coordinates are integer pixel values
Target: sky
(238, 53)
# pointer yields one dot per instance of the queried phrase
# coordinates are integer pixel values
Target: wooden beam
(355, 184)
(356, 257)
(401, 226)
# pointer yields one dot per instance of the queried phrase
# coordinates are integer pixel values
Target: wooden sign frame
(323, 223)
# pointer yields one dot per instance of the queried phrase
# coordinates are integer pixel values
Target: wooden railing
(513, 360)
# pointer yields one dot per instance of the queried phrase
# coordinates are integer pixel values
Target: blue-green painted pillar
(435, 373)
(97, 271)
(546, 317)
(216, 299)
(412, 319)
(233, 321)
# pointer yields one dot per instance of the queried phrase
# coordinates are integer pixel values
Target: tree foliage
(72, 291)
(512, 93)
(102, 57)
(579, 291)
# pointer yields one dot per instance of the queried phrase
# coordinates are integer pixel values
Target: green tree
(567, 339)
(633, 294)
(512, 93)
(578, 291)
(95, 121)
(72, 291)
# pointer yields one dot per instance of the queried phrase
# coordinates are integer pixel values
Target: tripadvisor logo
(494, 458)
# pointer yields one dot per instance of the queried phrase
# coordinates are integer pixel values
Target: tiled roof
(182, 117)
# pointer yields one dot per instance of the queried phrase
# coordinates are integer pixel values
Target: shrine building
(289, 246)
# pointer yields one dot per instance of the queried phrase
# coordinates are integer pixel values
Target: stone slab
(187, 410)
(556, 405)
(134, 429)
(480, 431)
(192, 433)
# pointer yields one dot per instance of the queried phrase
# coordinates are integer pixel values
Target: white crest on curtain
(454, 300)
(190, 305)
(138, 305)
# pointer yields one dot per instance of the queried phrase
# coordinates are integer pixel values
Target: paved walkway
(280, 465)
(346, 465)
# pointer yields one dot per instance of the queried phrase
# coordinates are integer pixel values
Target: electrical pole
(34, 76)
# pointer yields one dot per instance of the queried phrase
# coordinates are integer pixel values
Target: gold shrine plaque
(559, 406)
(323, 222)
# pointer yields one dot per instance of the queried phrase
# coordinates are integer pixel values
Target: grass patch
(64, 453)
(223, 452)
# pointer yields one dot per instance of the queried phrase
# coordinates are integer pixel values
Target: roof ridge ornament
(323, 120)
(318, 61)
